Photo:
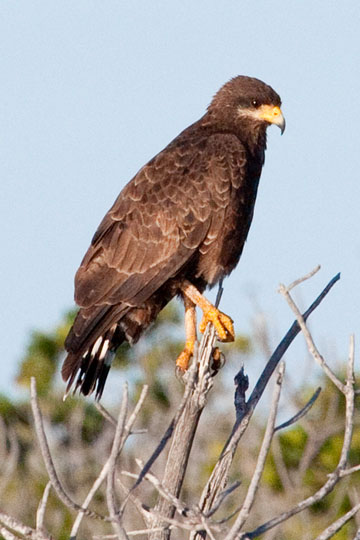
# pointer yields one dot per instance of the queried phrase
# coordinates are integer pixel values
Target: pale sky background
(91, 90)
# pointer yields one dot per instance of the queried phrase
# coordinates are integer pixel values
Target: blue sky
(91, 90)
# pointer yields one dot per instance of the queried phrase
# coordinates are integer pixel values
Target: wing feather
(158, 221)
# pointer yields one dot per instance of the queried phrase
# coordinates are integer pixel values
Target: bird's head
(247, 102)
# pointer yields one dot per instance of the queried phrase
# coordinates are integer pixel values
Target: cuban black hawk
(177, 227)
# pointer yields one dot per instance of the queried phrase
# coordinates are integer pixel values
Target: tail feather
(96, 335)
(93, 367)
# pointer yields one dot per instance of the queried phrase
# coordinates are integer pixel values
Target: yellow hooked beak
(273, 115)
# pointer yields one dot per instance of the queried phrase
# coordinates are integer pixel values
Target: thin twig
(45, 451)
(40, 514)
(134, 414)
(23, 531)
(115, 450)
(302, 412)
(181, 508)
(104, 471)
(284, 345)
(14, 524)
(7, 534)
(352, 470)
(105, 413)
(131, 533)
(150, 514)
(336, 526)
(99, 480)
(222, 496)
(304, 278)
(309, 340)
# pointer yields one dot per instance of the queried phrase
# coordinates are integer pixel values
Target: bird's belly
(219, 259)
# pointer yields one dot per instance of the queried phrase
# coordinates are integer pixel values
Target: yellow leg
(223, 323)
(183, 359)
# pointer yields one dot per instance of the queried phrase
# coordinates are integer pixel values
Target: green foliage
(292, 444)
(42, 356)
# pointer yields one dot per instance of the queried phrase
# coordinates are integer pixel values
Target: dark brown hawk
(178, 226)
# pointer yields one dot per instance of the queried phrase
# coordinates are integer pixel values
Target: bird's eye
(254, 103)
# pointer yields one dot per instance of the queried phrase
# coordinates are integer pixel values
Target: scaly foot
(182, 362)
(223, 324)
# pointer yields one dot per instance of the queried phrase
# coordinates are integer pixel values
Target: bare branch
(45, 451)
(118, 441)
(264, 450)
(309, 340)
(336, 526)
(40, 514)
(304, 278)
(131, 533)
(302, 412)
(185, 429)
(334, 476)
(182, 508)
(222, 496)
(346, 472)
(160, 447)
(22, 530)
(350, 405)
(104, 471)
(14, 524)
(7, 534)
(218, 478)
(99, 480)
(105, 413)
(134, 414)
(191, 523)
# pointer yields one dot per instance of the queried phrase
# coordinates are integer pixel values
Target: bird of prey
(177, 227)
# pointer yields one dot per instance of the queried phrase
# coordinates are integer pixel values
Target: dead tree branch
(50, 467)
(125, 431)
(117, 445)
(171, 512)
(334, 477)
(264, 450)
(336, 526)
(40, 514)
(185, 429)
(302, 412)
(13, 529)
(219, 475)
(285, 291)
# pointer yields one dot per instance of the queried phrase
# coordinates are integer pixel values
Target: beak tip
(282, 126)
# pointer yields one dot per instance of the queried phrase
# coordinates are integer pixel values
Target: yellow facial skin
(268, 113)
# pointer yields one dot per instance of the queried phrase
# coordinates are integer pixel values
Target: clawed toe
(223, 324)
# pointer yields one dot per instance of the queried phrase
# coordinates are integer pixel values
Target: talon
(223, 324)
(182, 362)
(218, 359)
